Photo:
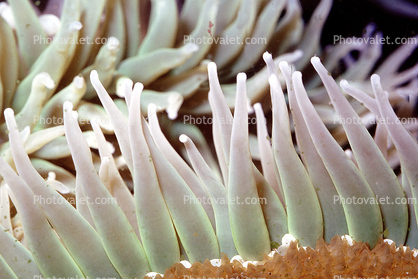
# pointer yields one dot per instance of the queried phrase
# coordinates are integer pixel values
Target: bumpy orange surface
(337, 260)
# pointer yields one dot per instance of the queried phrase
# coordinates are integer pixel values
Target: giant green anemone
(143, 202)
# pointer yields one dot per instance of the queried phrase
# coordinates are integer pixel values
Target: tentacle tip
(348, 238)
(67, 106)
(298, 53)
(79, 82)
(153, 275)
(375, 78)
(123, 85)
(75, 26)
(287, 239)
(138, 87)
(344, 83)
(94, 75)
(172, 115)
(315, 59)
(191, 48)
(241, 77)
(297, 74)
(113, 43)
(8, 112)
(183, 138)
(45, 79)
(283, 65)
(50, 24)
(152, 109)
(212, 68)
(257, 106)
(267, 56)
(174, 103)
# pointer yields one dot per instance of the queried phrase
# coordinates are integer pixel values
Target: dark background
(349, 18)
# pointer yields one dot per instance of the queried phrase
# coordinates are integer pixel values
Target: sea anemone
(116, 39)
(137, 205)
(166, 220)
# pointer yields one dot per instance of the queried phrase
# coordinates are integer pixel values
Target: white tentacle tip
(375, 79)
(50, 24)
(348, 239)
(68, 106)
(212, 73)
(123, 85)
(267, 56)
(186, 264)
(241, 77)
(75, 26)
(94, 75)
(7, 14)
(113, 43)
(138, 88)
(152, 109)
(68, 109)
(8, 112)
(175, 101)
(344, 83)
(212, 67)
(191, 48)
(283, 65)
(79, 82)
(45, 79)
(297, 75)
(258, 110)
(287, 239)
(216, 262)
(237, 258)
(153, 275)
(298, 53)
(315, 59)
(388, 241)
(183, 138)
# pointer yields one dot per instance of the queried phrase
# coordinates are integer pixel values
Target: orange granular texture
(337, 258)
